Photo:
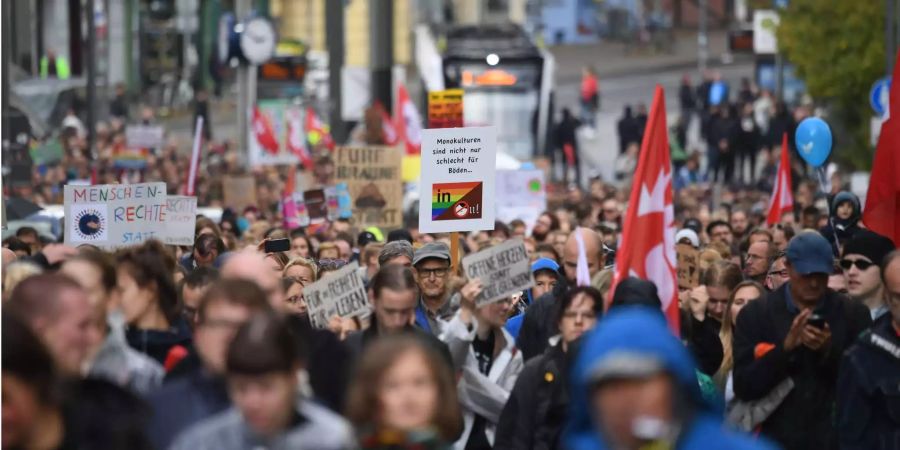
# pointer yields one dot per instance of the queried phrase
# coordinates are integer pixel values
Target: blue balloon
(717, 93)
(813, 138)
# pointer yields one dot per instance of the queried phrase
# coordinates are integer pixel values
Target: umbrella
(18, 208)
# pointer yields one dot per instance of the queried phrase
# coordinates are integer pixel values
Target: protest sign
(239, 192)
(688, 266)
(503, 270)
(373, 179)
(294, 211)
(342, 293)
(458, 171)
(445, 108)
(144, 136)
(277, 113)
(113, 215)
(181, 219)
(130, 158)
(345, 201)
(48, 152)
(316, 206)
(521, 194)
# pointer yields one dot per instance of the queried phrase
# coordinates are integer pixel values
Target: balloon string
(821, 175)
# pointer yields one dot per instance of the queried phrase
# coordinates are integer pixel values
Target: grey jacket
(321, 430)
(126, 367)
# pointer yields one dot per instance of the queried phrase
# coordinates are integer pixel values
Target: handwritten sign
(341, 293)
(144, 136)
(688, 266)
(239, 192)
(181, 220)
(445, 108)
(521, 194)
(458, 172)
(503, 270)
(113, 215)
(373, 178)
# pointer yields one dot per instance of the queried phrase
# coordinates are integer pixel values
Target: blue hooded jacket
(643, 331)
(514, 324)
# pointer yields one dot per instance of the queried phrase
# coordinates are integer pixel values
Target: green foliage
(838, 49)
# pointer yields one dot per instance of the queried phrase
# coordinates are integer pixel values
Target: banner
(276, 113)
(181, 220)
(373, 179)
(445, 109)
(130, 158)
(458, 173)
(144, 136)
(239, 192)
(112, 215)
(504, 270)
(342, 293)
(522, 195)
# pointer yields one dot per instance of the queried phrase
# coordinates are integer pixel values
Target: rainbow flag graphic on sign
(456, 201)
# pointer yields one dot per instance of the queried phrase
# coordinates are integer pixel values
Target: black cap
(364, 238)
(400, 235)
(634, 291)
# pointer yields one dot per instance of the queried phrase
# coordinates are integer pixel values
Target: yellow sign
(445, 109)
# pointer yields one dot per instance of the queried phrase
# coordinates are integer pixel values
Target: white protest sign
(521, 194)
(504, 270)
(341, 293)
(115, 215)
(144, 136)
(181, 219)
(457, 188)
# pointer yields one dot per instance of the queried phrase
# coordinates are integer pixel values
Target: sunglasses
(860, 264)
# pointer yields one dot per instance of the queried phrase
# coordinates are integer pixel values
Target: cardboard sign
(373, 178)
(144, 136)
(457, 188)
(521, 194)
(239, 192)
(688, 266)
(181, 220)
(445, 108)
(114, 215)
(504, 270)
(341, 293)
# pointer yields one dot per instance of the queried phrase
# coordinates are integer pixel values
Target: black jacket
(705, 344)
(535, 413)
(539, 323)
(868, 396)
(357, 342)
(184, 402)
(328, 364)
(156, 344)
(804, 420)
(98, 414)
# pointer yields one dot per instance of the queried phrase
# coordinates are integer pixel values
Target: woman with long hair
(743, 293)
(149, 301)
(403, 396)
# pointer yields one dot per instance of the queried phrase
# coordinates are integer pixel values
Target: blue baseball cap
(809, 252)
(544, 264)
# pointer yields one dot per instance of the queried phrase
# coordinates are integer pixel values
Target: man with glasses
(432, 270)
(861, 262)
(778, 274)
(759, 256)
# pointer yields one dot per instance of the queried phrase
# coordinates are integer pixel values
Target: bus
(507, 79)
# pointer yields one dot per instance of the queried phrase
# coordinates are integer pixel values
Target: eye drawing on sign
(89, 223)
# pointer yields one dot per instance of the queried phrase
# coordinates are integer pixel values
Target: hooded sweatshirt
(642, 332)
(839, 230)
(155, 343)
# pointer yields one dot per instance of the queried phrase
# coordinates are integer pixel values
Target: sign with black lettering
(340, 293)
(372, 176)
(503, 270)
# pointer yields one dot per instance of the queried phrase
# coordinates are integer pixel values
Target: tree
(838, 49)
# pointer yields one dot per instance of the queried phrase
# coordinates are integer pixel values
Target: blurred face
(295, 302)
(779, 239)
(344, 250)
(578, 318)
(778, 275)
(862, 283)
(739, 222)
(718, 299)
(743, 296)
(610, 211)
(394, 310)
(21, 410)
(845, 210)
(90, 279)
(329, 253)
(266, 401)
(570, 258)
(757, 264)
(543, 283)
(542, 226)
(431, 275)
(401, 260)
(495, 314)
(619, 405)
(301, 273)
(759, 237)
(300, 247)
(191, 297)
(721, 233)
(214, 334)
(69, 334)
(559, 242)
(892, 289)
(408, 394)
(136, 302)
(837, 282)
(807, 289)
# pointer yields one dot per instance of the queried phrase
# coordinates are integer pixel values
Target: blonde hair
(15, 273)
(304, 262)
(726, 333)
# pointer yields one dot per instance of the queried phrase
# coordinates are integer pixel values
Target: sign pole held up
(454, 252)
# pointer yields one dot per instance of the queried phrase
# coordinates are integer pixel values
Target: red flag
(264, 131)
(882, 211)
(648, 239)
(388, 129)
(296, 144)
(317, 130)
(782, 200)
(409, 122)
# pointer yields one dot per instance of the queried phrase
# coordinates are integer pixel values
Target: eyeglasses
(331, 264)
(439, 272)
(861, 264)
(783, 273)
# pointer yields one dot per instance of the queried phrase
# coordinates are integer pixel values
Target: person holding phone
(799, 331)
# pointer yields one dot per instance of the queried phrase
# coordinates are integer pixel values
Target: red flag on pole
(882, 211)
(782, 200)
(648, 238)
(195, 157)
(388, 128)
(317, 128)
(296, 144)
(409, 122)
(264, 132)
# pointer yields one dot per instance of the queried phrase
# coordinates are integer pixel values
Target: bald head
(593, 250)
(252, 266)
(8, 257)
